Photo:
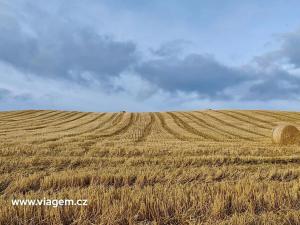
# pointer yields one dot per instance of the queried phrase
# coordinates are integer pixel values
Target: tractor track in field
(169, 130)
(58, 115)
(28, 119)
(4, 115)
(113, 121)
(93, 140)
(47, 123)
(294, 115)
(45, 120)
(123, 129)
(212, 127)
(85, 132)
(240, 118)
(81, 124)
(148, 128)
(184, 125)
(117, 118)
(18, 114)
(49, 126)
(11, 119)
(277, 116)
(244, 121)
(119, 131)
(223, 122)
(64, 122)
(270, 124)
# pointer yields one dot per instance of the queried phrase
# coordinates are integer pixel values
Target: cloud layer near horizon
(50, 58)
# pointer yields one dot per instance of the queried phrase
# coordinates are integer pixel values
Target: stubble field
(198, 167)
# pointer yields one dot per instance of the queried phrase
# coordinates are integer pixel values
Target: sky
(138, 55)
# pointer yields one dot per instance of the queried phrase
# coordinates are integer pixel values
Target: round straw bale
(286, 134)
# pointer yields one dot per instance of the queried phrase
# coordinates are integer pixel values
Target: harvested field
(197, 167)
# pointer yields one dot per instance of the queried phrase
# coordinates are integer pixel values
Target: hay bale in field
(286, 134)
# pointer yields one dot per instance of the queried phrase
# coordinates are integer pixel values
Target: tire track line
(169, 130)
(5, 114)
(45, 121)
(64, 122)
(288, 115)
(29, 119)
(86, 132)
(250, 117)
(93, 140)
(254, 117)
(247, 121)
(213, 127)
(183, 124)
(117, 118)
(123, 129)
(85, 123)
(16, 128)
(295, 115)
(148, 128)
(277, 116)
(231, 125)
(22, 113)
(78, 125)
(48, 118)
(111, 120)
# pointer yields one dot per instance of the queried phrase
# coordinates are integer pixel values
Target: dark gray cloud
(4, 93)
(291, 48)
(267, 77)
(53, 45)
(279, 85)
(204, 75)
(288, 52)
(171, 48)
(193, 73)
(58, 48)
(63, 50)
(276, 82)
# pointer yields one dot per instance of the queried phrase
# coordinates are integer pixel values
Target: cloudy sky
(112, 55)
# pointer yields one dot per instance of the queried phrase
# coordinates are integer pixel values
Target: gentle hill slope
(210, 125)
(211, 166)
